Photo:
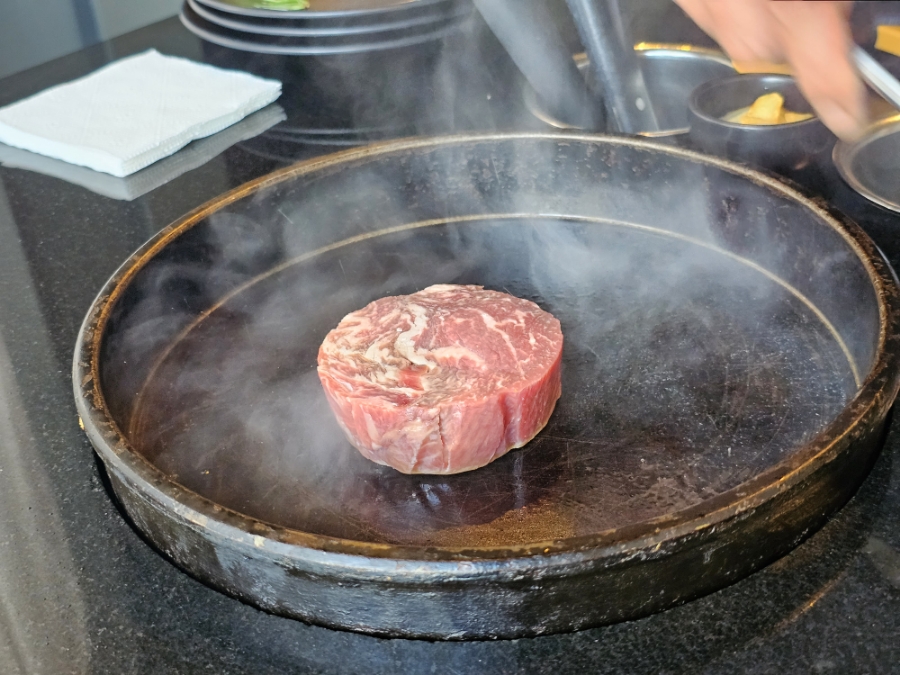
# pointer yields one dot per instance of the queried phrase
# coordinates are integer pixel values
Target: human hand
(813, 38)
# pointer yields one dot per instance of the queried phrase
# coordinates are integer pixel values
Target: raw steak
(444, 380)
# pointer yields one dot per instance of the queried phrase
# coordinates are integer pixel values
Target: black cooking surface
(680, 381)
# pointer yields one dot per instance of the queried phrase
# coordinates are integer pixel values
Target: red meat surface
(444, 380)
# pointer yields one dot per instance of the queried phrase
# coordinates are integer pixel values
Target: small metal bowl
(671, 71)
(789, 149)
(871, 165)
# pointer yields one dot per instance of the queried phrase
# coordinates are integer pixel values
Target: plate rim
(209, 15)
(286, 50)
(313, 14)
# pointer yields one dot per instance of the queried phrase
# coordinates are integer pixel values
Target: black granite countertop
(81, 591)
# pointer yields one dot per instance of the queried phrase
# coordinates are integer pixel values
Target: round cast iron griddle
(726, 377)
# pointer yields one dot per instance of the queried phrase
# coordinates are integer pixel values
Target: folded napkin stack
(133, 112)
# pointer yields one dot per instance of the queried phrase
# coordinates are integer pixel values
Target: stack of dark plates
(325, 26)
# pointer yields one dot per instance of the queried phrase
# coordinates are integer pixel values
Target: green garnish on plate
(283, 4)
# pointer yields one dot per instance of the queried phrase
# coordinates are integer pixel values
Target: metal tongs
(876, 76)
(613, 65)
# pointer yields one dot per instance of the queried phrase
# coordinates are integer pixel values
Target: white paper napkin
(133, 112)
(141, 182)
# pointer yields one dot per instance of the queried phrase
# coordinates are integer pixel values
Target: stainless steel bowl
(871, 165)
(671, 71)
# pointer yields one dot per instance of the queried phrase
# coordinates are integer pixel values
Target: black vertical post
(614, 65)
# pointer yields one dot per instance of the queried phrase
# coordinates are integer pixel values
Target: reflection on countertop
(43, 625)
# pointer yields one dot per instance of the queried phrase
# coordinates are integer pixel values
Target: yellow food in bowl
(767, 109)
(888, 39)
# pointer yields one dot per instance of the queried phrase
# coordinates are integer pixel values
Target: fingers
(744, 28)
(813, 37)
(817, 42)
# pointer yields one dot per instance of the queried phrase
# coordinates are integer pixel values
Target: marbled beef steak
(444, 380)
